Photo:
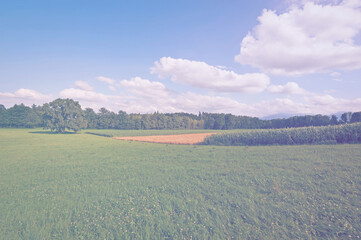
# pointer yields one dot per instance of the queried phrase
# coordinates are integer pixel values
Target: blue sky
(255, 58)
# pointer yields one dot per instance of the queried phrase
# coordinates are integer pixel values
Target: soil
(188, 139)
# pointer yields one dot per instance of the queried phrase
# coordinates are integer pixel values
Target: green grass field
(82, 186)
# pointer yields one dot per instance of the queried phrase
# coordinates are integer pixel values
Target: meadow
(83, 186)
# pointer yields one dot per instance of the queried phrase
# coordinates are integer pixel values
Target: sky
(255, 58)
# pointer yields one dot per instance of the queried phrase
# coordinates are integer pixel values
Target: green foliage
(88, 187)
(19, 116)
(62, 114)
(355, 117)
(349, 133)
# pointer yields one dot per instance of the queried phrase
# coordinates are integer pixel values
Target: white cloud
(112, 88)
(193, 102)
(80, 94)
(144, 96)
(307, 39)
(316, 104)
(300, 3)
(106, 80)
(279, 106)
(24, 93)
(335, 74)
(328, 104)
(145, 88)
(25, 96)
(202, 75)
(352, 3)
(289, 88)
(83, 86)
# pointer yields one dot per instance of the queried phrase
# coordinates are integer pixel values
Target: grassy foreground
(81, 186)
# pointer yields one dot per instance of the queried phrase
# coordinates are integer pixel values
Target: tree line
(62, 114)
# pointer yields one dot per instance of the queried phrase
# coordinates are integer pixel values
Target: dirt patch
(188, 139)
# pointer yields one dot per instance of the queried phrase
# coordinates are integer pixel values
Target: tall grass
(349, 133)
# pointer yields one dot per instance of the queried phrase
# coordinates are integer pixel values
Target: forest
(64, 114)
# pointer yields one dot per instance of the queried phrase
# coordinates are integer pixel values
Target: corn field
(348, 133)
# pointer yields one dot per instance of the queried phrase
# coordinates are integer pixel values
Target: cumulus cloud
(310, 38)
(24, 93)
(288, 88)
(25, 96)
(145, 88)
(80, 94)
(83, 86)
(106, 80)
(202, 75)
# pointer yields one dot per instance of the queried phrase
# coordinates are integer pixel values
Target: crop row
(349, 133)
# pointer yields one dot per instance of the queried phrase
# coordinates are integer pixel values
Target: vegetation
(82, 186)
(63, 114)
(20, 116)
(349, 133)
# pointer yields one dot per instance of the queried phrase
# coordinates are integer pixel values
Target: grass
(81, 186)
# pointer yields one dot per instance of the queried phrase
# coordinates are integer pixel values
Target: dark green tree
(346, 117)
(62, 114)
(22, 116)
(91, 118)
(356, 117)
(333, 120)
(3, 116)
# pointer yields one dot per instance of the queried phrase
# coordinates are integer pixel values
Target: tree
(122, 120)
(334, 120)
(3, 116)
(355, 117)
(22, 116)
(346, 117)
(62, 114)
(91, 118)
